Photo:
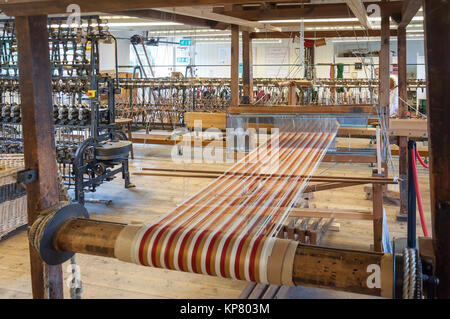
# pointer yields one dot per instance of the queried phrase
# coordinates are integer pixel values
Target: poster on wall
(275, 57)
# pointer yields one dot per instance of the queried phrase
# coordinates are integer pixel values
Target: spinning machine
(89, 149)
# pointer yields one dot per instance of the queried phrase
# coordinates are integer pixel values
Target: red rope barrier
(421, 160)
(419, 197)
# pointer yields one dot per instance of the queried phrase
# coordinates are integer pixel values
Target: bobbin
(45, 228)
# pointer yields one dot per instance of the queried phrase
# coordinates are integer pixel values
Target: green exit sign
(185, 43)
(182, 59)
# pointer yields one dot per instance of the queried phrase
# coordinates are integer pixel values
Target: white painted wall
(326, 55)
(107, 57)
(323, 54)
(123, 53)
(213, 58)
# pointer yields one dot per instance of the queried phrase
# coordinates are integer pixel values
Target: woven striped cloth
(228, 228)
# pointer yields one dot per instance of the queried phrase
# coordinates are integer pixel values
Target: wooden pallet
(307, 230)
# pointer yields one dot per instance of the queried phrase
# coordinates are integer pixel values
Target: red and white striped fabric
(227, 229)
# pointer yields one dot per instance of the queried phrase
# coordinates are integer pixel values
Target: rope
(37, 230)
(421, 160)
(406, 264)
(418, 196)
(412, 274)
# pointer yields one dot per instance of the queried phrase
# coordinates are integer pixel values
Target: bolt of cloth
(228, 228)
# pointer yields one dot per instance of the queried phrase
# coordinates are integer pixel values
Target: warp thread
(225, 232)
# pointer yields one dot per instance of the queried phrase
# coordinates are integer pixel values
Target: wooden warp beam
(364, 272)
(228, 228)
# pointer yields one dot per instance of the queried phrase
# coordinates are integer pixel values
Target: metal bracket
(27, 176)
(47, 251)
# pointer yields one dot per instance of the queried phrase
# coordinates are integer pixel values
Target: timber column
(39, 140)
(384, 79)
(437, 53)
(247, 67)
(402, 113)
(234, 99)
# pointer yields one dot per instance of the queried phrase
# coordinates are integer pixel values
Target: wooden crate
(13, 199)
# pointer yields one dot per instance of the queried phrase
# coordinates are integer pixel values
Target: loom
(228, 229)
(349, 118)
(346, 270)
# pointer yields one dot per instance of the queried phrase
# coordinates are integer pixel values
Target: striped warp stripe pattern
(227, 228)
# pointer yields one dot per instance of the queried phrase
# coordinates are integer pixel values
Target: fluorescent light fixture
(372, 39)
(116, 17)
(228, 40)
(310, 20)
(207, 35)
(117, 24)
(356, 40)
(140, 24)
(418, 18)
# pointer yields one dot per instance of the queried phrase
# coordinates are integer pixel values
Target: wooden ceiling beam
(320, 34)
(208, 14)
(320, 11)
(172, 17)
(409, 10)
(359, 10)
(309, 24)
(36, 7)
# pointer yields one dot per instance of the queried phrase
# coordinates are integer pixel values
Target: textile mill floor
(154, 196)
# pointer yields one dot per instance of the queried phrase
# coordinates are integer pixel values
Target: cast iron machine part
(96, 161)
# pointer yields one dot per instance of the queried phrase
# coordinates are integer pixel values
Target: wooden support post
(384, 70)
(402, 81)
(38, 139)
(377, 198)
(437, 25)
(292, 95)
(384, 62)
(234, 65)
(247, 64)
(402, 113)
